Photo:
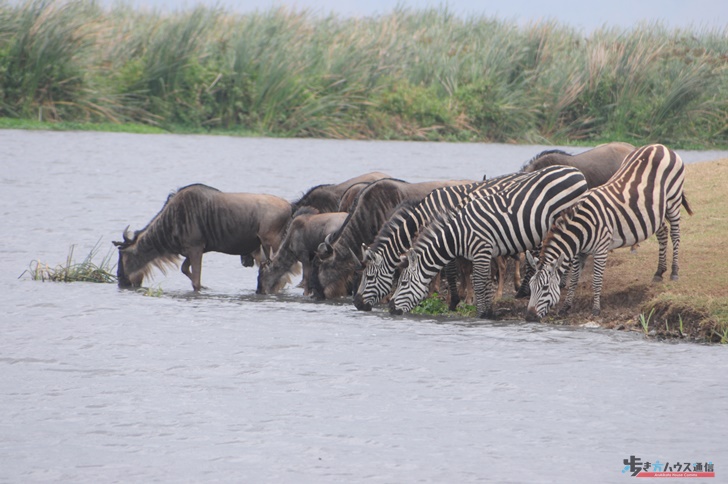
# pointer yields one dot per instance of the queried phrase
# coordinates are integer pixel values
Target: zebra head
(545, 287)
(412, 287)
(376, 281)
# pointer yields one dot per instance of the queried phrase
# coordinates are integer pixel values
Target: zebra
(508, 221)
(381, 258)
(638, 201)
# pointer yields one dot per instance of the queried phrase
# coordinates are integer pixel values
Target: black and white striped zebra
(381, 259)
(638, 201)
(508, 221)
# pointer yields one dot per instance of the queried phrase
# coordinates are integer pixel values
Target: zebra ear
(532, 261)
(411, 258)
(558, 264)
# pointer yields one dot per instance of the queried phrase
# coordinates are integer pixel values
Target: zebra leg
(451, 275)
(525, 289)
(600, 263)
(483, 286)
(674, 220)
(662, 257)
(574, 273)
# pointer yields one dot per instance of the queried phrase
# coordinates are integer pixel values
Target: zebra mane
(401, 214)
(432, 231)
(533, 164)
(558, 226)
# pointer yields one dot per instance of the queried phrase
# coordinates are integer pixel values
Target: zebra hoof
(564, 311)
(596, 312)
(674, 277)
(657, 278)
(486, 315)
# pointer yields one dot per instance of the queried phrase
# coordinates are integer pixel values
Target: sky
(585, 15)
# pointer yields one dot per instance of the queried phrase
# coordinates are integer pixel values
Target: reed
(407, 74)
(84, 271)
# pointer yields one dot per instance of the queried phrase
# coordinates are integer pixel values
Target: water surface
(99, 384)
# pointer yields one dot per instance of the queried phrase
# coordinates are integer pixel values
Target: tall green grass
(407, 74)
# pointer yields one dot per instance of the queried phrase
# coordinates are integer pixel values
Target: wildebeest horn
(327, 240)
(363, 252)
(359, 265)
(127, 239)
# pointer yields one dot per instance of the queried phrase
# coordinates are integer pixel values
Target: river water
(99, 384)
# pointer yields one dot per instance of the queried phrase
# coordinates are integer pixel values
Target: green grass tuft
(84, 271)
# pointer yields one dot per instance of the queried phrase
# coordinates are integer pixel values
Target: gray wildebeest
(197, 219)
(304, 233)
(336, 260)
(326, 198)
(598, 164)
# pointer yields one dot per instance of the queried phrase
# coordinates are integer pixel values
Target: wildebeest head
(272, 274)
(123, 272)
(333, 271)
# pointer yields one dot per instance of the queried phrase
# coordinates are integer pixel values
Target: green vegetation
(85, 271)
(409, 74)
(645, 321)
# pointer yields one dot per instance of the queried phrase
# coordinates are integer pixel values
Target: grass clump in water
(84, 271)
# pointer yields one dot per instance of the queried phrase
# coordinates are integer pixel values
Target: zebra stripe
(383, 256)
(506, 222)
(639, 200)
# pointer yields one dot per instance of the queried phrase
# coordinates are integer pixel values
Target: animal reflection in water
(198, 219)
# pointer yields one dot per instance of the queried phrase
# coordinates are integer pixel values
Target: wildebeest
(598, 164)
(197, 219)
(336, 259)
(304, 233)
(349, 197)
(326, 198)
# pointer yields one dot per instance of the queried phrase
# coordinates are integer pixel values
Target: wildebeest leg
(502, 264)
(517, 272)
(186, 268)
(195, 258)
(305, 280)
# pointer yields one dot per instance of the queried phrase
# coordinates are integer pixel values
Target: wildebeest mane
(543, 159)
(320, 198)
(358, 225)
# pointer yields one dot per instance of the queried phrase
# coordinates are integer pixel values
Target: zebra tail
(686, 204)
